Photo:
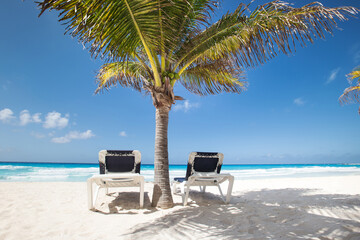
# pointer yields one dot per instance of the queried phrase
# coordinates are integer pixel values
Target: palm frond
(352, 93)
(153, 40)
(190, 16)
(355, 74)
(115, 29)
(212, 77)
(108, 26)
(179, 20)
(127, 74)
(270, 29)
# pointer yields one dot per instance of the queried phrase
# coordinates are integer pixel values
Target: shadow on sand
(122, 203)
(266, 214)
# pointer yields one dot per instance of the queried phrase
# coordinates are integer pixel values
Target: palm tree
(151, 45)
(352, 94)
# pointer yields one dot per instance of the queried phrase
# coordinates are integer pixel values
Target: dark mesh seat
(119, 161)
(203, 162)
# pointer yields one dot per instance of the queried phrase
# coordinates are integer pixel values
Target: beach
(265, 92)
(276, 208)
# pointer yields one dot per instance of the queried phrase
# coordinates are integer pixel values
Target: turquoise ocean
(71, 172)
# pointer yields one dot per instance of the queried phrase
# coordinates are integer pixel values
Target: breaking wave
(80, 172)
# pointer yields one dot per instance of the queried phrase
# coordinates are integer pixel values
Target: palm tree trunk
(162, 193)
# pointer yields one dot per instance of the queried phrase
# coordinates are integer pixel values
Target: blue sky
(289, 114)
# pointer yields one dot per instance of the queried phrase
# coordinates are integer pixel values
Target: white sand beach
(293, 208)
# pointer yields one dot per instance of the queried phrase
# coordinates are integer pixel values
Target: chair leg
(202, 188)
(174, 187)
(230, 186)
(221, 193)
(141, 194)
(96, 194)
(90, 194)
(186, 195)
(107, 191)
(182, 188)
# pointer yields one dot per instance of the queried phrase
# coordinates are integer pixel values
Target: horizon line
(355, 163)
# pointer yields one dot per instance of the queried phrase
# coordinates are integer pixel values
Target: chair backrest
(204, 162)
(119, 161)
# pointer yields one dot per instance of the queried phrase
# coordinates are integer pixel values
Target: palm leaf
(187, 19)
(126, 74)
(115, 29)
(212, 77)
(254, 39)
(354, 75)
(352, 93)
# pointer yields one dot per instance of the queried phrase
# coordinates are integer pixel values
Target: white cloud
(73, 135)
(186, 106)
(25, 118)
(332, 75)
(122, 134)
(37, 135)
(61, 140)
(299, 101)
(54, 120)
(36, 118)
(6, 115)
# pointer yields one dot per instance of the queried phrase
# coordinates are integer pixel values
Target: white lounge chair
(117, 169)
(203, 170)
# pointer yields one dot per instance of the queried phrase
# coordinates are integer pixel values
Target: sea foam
(77, 172)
